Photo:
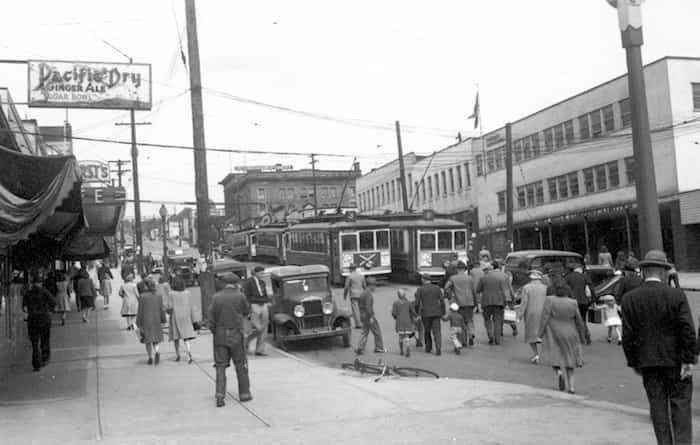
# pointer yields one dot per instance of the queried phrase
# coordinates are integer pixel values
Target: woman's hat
(454, 307)
(535, 275)
(608, 298)
(655, 258)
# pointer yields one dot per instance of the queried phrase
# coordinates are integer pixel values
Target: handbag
(595, 316)
(509, 315)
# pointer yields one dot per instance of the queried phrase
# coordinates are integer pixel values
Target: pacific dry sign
(65, 84)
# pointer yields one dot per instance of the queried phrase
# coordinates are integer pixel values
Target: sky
(349, 69)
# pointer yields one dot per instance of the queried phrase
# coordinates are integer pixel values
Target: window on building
(625, 112)
(552, 186)
(569, 132)
(324, 193)
(460, 183)
(430, 187)
(584, 130)
(629, 170)
(452, 180)
(527, 154)
(498, 155)
(261, 194)
(437, 186)
(444, 182)
(559, 136)
(522, 202)
(530, 189)
(539, 193)
(467, 174)
(303, 193)
(479, 159)
(596, 124)
(517, 151)
(283, 194)
(290, 193)
(490, 164)
(613, 174)
(416, 190)
(608, 118)
(573, 184)
(409, 182)
(589, 180)
(372, 203)
(535, 140)
(501, 202)
(334, 192)
(393, 190)
(696, 96)
(381, 194)
(562, 186)
(548, 140)
(601, 181)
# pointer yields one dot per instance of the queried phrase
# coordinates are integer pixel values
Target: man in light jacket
(494, 292)
(460, 289)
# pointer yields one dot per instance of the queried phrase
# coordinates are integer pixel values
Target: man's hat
(461, 264)
(425, 276)
(535, 274)
(655, 258)
(258, 269)
(608, 298)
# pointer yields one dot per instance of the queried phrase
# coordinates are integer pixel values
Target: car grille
(313, 311)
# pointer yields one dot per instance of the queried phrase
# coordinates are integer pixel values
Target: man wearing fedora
(658, 337)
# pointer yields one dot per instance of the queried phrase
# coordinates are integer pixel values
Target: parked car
(599, 273)
(302, 305)
(224, 266)
(520, 263)
(185, 267)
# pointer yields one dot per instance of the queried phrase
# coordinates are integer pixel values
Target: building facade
(263, 197)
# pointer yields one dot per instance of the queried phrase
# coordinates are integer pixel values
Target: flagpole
(481, 135)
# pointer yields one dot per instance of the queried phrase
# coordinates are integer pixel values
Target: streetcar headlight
(299, 311)
(386, 258)
(425, 259)
(328, 308)
(347, 259)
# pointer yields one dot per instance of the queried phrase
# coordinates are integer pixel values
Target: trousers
(467, 313)
(368, 326)
(493, 319)
(232, 350)
(259, 319)
(431, 326)
(355, 306)
(583, 310)
(670, 400)
(39, 330)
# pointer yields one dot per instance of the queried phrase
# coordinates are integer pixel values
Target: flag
(476, 114)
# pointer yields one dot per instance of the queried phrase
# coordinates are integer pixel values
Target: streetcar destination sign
(66, 84)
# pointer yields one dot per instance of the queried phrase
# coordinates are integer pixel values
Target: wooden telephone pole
(402, 169)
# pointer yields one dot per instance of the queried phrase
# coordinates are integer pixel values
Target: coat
(494, 289)
(562, 332)
(250, 289)
(149, 317)
(629, 282)
(182, 316)
(402, 311)
(533, 296)
(429, 301)
(62, 297)
(657, 327)
(578, 282)
(85, 291)
(130, 299)
(228, 310)
(461, 289)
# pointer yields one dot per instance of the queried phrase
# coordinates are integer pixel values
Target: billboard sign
(66, 84)
(94, 171)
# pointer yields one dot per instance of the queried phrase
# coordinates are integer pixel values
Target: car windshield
(305, 285)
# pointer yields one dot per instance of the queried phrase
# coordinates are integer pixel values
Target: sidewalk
(689, 281)
(98, 388)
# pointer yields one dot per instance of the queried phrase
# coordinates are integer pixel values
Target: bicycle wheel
(415, 372)
(364, 368)
(348, 366)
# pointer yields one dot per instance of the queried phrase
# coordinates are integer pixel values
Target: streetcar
(422, 242)
(338, 242)
(239, 244)
(268, 244)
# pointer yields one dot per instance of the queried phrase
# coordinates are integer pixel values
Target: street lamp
(163, 212)
(630, 17)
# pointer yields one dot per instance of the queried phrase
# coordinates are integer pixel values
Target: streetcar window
(460, 240)
(349, 242)
(444, 240)
(366, 240)
(383, 239)
(397, 241)
(427, 241)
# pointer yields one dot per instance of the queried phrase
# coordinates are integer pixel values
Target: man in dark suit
(582, 291)
(658, 337)
(431, 308)
(255, 292)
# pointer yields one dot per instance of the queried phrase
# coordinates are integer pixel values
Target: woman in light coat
(62, 296)
(130, 301)
(178, 304)
(533, 296)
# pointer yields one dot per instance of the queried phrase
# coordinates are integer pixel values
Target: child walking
(611, 317)
(403, 312)
(456, 325)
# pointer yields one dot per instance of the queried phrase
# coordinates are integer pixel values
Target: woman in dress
(62, 296)
(562, 332)
(533, 296)
(85, 292)
(182, 317)
(130, 301)
(149, 318)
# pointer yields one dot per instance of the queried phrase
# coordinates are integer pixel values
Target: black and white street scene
(369, 222)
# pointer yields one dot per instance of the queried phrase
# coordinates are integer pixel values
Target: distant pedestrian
(630, 281)
(104, 274)
(477, 273)
(37, 304)
(495, 293)
(369, 320)
(456, 327)
(533, 295)
(62, 296)
(86, 293)
(256, 292)
(620, 259)
(450, 269)
(605, 257)
(611, 318)
(584, 294)
(417, 324)
(355, 284)
(226, 314)
(658, 337)
(431, 308)
(403, 313)
(73, 277)
(461, 289)
(149, 318)
(178, 303)
(561, 331)
(129, 294)
(127, 268)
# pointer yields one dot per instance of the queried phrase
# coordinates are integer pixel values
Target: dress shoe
(157, 360)
(380, 351)
(471, 341)
(177, 359)
(490, 341)
(150, 361)
(189, 359)
(438, 352)
(245, 397)
(562, 382)
(261, 354)
(220, 402)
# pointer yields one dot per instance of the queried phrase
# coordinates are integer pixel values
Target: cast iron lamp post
(163, 212)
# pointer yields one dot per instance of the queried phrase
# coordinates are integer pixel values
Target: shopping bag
(510, 316)
(595, 316)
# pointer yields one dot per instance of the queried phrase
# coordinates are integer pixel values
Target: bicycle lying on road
(383, 370)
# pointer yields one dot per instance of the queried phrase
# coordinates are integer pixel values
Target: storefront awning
(85, 247)
(38, 195)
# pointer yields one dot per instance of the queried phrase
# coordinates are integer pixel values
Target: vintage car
(302, 305)
(519, 264)
(221, 267)
(185, 267)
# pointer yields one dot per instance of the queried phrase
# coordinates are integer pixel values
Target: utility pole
(120, 172)
(313, 175)
(630, 20)
(200, 153)
(138, 236)
(509, 187)
(402, 169)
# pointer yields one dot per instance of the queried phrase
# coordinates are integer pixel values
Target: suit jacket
(494, 289)
(251, 291)
(429, 301)
(657, 327)
(578, 282)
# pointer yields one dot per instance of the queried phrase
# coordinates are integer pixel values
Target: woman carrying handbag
(149, 318)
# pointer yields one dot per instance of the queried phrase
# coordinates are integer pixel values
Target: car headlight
(347, 259)
(386, 258)
(299, 311)
(425, 259)
(328, 308)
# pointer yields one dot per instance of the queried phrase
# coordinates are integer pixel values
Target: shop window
(596, 124)
(696, 96)
(613, 174)
(479, 159)
(573, 184)
(625, 112)
(608, 118)
(584, 131)
(518, 151)
(452, 180)
(562, 185)
(552, 186)
(601, 181)
(539, 193)
(548, 140)
(459, 178)
(522, 202)
(629, 170)
(569, 132)
(501, 202)
(527, 154)
(589, 180)
(535, 141)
